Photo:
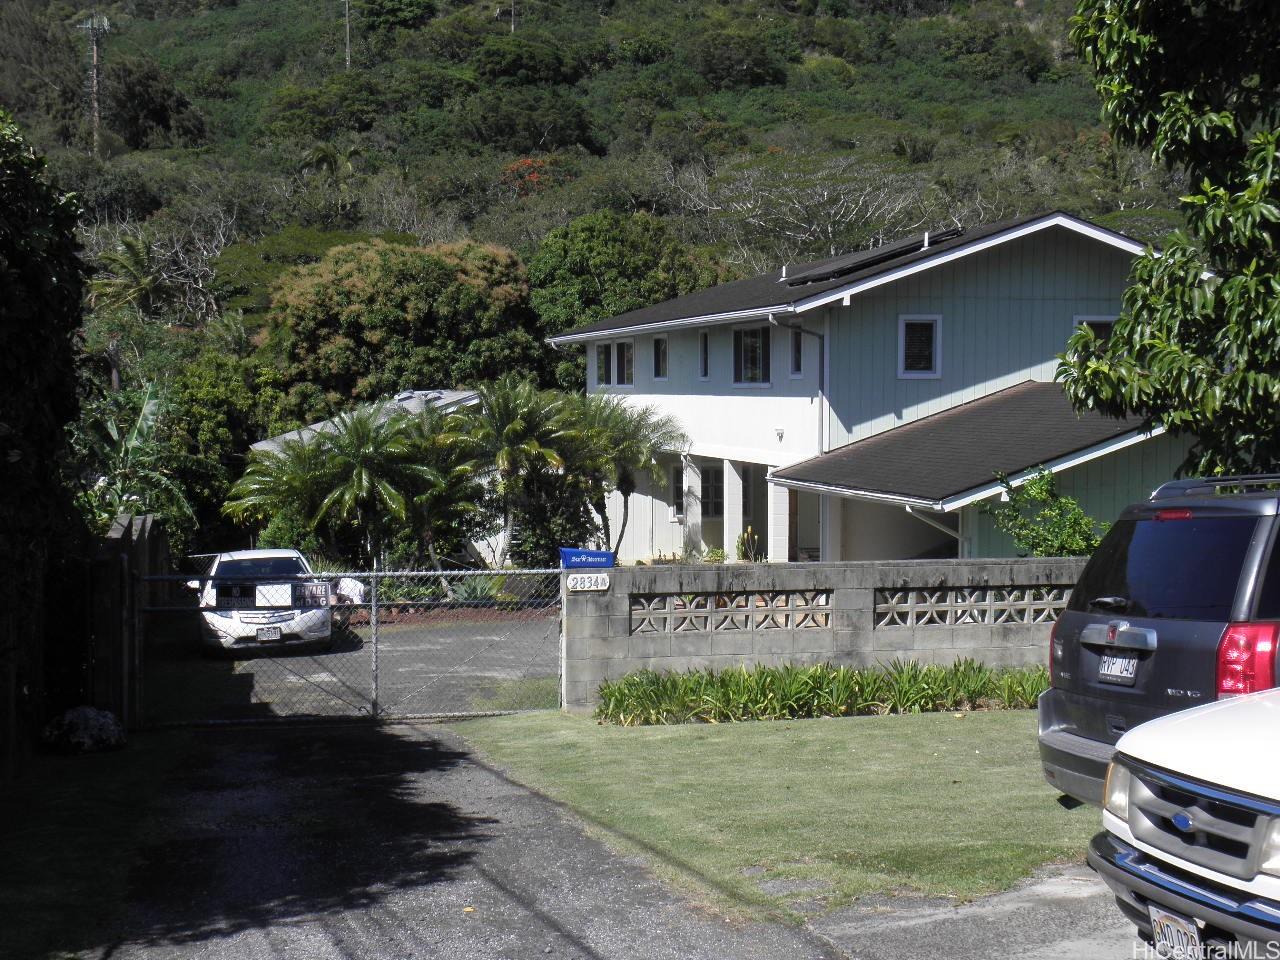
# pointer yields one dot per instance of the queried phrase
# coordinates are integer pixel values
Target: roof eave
(709, 319)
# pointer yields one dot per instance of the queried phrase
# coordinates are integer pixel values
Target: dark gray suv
(1179, 605)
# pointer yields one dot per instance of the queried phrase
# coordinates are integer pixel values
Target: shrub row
(824, 690)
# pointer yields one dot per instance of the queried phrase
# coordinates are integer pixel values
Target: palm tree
(446, 491)
(290, 480)
(621, 443)
(369, 472)
(132, 276)
(522, 431)
(330, 160)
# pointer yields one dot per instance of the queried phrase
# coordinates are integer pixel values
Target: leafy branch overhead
(1197, 347)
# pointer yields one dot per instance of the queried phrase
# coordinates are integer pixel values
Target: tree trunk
(622, 527)
(435, 563)
(601, 507)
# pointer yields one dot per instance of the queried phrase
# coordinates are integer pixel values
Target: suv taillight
(1055, 652)
(1246, 658)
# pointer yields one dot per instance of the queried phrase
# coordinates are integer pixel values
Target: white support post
(732, 509)
(832, 529)
(692, 506)
(779, 523)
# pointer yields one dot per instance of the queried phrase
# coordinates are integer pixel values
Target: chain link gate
(365, 644)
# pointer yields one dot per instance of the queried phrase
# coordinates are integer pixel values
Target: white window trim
(675, 475)
(743, 384)
(652, 348)
(936, 372)
(615, 344)
(704, 337)
(796, 337)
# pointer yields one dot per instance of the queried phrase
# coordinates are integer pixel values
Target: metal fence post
(564, 643)
(373, 630)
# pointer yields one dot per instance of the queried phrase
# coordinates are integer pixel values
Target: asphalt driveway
(328, 841)
(359, 841)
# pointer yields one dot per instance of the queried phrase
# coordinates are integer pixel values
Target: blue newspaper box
(572, 558)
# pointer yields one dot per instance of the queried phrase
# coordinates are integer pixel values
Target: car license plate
(1175, 936)
(267, 634)
(1118, 668)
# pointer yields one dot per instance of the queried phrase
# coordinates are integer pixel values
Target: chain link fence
(362, 644)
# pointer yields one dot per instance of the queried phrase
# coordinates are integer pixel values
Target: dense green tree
(520, 59)
(604, 264)
(372, 319)
(143, 107)
(526, 119)
(1197, 346)
(1043, 522)
(131, 276)
(41, 285)
(384, 16)
(737, 58)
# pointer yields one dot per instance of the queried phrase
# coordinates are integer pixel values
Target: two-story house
(859, 407)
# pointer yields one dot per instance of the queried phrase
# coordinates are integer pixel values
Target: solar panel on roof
(852, 262)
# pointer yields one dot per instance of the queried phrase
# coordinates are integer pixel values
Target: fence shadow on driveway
(193, 836)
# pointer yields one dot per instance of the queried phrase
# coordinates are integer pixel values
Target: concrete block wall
(600, 641)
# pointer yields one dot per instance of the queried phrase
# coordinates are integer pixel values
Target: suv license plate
(267, 634)
(1118, 668)
(1175, 936)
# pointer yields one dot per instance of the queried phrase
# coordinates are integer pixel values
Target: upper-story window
(1101, 326)
(751, 355)
(624, 366)
(704, 355)
(604, 364)
(797, 352)
(919, 347)
(659, 358)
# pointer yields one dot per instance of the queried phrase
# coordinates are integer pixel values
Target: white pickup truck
(1191, 847)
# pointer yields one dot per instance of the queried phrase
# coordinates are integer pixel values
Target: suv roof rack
(1195, 485)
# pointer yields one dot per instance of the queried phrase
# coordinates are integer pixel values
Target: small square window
(604, 363)
(704, 355)
(751, 355)
(797, 352)
(659, 358)
(624, 367)
(918, 348)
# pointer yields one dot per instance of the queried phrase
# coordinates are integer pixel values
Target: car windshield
(1180, 569)
(260, 567)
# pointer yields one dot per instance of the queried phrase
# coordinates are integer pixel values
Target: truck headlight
(1115, 793)
(1269, 862)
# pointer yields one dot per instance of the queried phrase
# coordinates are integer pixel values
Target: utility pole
(513, 16)
(346, 4)
(96, 27)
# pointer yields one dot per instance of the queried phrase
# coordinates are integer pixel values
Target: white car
(270, 598)
(1191, 847)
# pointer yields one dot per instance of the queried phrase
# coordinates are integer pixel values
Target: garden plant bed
(940, 805)
(822, 690)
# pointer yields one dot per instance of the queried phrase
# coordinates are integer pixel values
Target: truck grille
(1206, 826)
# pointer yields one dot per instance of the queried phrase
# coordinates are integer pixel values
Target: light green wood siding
(1103, 487)
(1006, 313)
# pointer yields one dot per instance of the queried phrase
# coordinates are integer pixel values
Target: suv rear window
(1171, 569)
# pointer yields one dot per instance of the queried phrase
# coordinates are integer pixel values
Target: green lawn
(928, 803)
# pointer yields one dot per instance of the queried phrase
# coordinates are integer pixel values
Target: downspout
(930, 521)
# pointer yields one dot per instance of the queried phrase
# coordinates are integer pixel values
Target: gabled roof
(410, 401)
(950, 459)
(795, 289)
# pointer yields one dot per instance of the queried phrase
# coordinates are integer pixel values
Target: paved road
(307, 842)
(454, 663)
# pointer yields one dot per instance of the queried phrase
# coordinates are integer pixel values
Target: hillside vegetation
(599, 156)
